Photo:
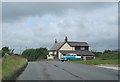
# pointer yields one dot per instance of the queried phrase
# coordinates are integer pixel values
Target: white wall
(66, 46)
(73, 48)
(59, 55)
(50, 52)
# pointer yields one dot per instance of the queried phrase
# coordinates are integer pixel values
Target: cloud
(0, 25)
(80, 22)
(0, 35)
(16, 10)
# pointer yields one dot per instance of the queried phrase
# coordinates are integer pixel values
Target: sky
(38, 24)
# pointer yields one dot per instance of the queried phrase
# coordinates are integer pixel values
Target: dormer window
(82, 48)
(79, 48)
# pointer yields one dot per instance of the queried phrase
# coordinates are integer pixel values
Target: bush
(107, 51)
(35, 54)
(108, 55)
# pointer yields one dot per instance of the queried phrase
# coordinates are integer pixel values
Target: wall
(66, 47)
(59, 55)
(50, 52)
(73, 48)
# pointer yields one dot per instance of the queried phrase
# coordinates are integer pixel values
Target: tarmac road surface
(57, 70)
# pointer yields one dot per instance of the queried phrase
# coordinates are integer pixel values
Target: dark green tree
(41, 53)
(29, 54)
(34, 54)
(6, 50)
(107, 51)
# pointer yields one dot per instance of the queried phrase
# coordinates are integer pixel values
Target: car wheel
(68, 59)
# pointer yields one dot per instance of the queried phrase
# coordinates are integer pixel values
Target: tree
(29, 54)
(34, 54)
(6, 50)
(41, 53)
(107, 51)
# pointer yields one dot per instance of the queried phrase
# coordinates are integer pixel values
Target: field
(11, 65)
(104, 58)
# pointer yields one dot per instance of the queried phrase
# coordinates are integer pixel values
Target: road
(56, 70)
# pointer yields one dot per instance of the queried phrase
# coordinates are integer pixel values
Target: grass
(105, 58)
(11, 65)
(0, 68)
(52, 59)
(97, 61)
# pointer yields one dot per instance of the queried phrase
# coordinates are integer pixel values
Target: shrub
(108, 55)
(35, 54)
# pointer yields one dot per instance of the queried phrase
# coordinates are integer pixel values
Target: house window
(82, 48)
(86, 48)
(77, 48)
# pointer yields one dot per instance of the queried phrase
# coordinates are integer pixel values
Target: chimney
(66, 39)
(55, 41)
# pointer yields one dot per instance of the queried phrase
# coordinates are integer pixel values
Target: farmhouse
(63, 48)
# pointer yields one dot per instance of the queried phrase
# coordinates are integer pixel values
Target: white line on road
(109, 67)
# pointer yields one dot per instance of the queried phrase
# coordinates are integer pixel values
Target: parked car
(70, 56)
(63, 59)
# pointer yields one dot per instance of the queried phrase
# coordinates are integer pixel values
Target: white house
(63, 48)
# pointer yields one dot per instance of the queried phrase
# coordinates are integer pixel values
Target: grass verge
(97, 62)
(12, 67)
(0, 69)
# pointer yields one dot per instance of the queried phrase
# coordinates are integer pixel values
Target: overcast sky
(38, 24)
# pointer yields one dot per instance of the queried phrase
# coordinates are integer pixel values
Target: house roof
(78, 44)
(57, 46)
(80, 52)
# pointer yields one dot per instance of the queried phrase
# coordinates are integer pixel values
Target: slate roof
(78, 44)
(57, 46)
(79, 52)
